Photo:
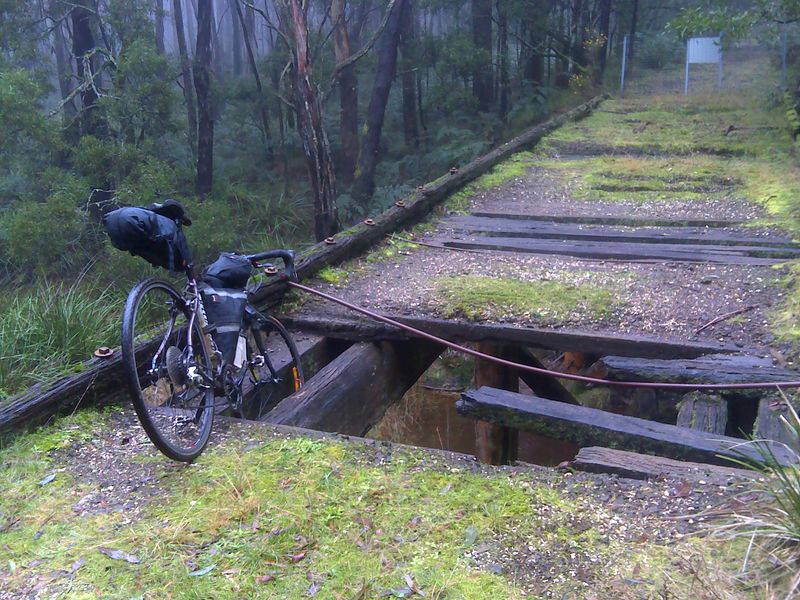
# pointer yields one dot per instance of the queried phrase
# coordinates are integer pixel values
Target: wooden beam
(713, 368)
(495, 444)
(352, 393)
(642, 466)
(540, 229)
(718, 254)
(591, 427)
(542, 385)
(596, 220)
(357, 328)
(704, 412)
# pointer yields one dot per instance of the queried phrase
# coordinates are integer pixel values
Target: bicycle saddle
(172, 209)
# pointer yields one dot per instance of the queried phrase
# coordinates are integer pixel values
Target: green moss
(475, 297)
(334, 275)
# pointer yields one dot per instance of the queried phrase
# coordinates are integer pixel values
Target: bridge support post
(495, 444)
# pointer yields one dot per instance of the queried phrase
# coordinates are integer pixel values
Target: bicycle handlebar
(286, 255)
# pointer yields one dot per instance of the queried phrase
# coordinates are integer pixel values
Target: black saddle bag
(145, 233)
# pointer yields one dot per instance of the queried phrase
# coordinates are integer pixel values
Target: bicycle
(176, 372)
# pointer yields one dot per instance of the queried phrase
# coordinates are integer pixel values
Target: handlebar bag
(154, 237)
(229, 271)
(225, 310)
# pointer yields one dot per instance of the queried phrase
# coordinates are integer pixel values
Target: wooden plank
(703, 412)
(770, 425)
(355, 328)
(712, 368)
(591, 427)
(536, 229)
(351, 394)
(729, 255)
(101, 378)
(642, 466)
(495, 444)
(602, 220)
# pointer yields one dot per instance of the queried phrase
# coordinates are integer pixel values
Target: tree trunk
(83, 45)
(387, 63)
(605, 19)
(238, 26)
(65, 74)
(348, 94)
(502, 59)
(310, 124)
(632, 35)
(202, 86)
(159, 19)
(262, 101)
(482, 39)
(409, 76)
(186, 75)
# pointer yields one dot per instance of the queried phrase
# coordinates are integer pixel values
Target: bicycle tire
(267, 337)
(176, 415)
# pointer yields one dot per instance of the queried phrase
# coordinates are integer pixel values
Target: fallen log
(642, 466)
(356, 328)
(351, 394)
(591, 427)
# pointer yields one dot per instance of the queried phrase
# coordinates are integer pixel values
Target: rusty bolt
(104, 352)
(270, 270)
(369, 222)
(400, 203)
(330, 240)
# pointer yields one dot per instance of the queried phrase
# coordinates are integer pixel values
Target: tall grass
(770, 518)
(50, 329)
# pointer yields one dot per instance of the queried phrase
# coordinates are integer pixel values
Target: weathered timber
(642, 466)
(100, 378)
(543, 385)
(496, 444)
(598, 220)
(704, 412)
(591, 427)
(539, 229)
(416, 207)
(713, 368)
(770, 424)
(361, 329)
(315, 352)
(352, 393)
(728, 255)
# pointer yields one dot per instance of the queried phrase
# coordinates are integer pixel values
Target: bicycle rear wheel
(275, 368)
(172, 390)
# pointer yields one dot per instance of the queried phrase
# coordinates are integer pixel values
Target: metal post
(686, 77)
(624, 65)
(721, 63)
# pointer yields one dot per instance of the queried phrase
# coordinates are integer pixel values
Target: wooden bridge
(536, 232)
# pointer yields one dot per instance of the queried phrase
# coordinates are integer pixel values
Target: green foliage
(24, 131)
(144, 98)
(50, 237)
(47, 330)
(659, 51)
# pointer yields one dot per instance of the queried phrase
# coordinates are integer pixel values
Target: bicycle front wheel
(171, 386)
(275, 368)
